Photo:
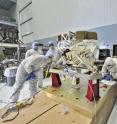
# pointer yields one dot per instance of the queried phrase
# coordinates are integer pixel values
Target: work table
(67, 105)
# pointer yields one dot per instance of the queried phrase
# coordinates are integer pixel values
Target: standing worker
(29, 66)
(52, 50)
(37, 48)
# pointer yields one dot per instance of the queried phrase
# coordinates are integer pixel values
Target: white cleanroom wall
(52, 17)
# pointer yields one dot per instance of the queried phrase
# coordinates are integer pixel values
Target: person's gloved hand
(108, 77)
(31, 76)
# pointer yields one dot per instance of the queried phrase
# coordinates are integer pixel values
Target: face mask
(51, 47)
(35, 48)
(40, 48)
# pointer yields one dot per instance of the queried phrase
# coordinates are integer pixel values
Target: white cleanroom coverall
(32, 52)
(30, 64)
(56, 57)
(51, 51)
(40, 72)
(110, 67)
(36, 49)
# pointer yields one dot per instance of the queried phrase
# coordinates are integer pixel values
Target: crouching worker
(109, 69)
(28, 70)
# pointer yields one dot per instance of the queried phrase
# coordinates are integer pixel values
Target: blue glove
(31, 76)
(108, 77)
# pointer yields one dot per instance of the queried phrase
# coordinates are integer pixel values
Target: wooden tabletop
(67, 105)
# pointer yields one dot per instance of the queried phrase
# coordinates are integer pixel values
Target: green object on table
(12, 19)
